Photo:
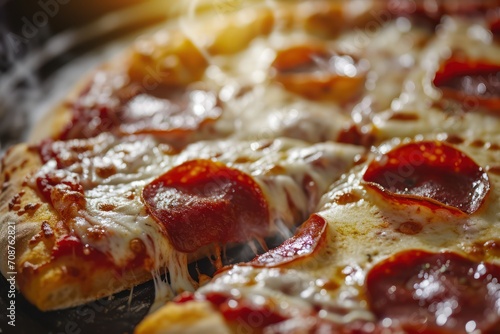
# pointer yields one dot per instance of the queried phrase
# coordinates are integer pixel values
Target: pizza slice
(100, 215)
(407, 242)
(261, 71)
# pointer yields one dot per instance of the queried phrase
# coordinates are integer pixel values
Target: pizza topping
(238, 310)
(472, 82)
(410, 228)
(172, 113)
(303, 244)
(495, 24)
(167, 59)
(429, 173)
(356, 136)
(432, 292)
(435, 9)
(319, 74)
(169, 112)
(64, 191)
(202, 202)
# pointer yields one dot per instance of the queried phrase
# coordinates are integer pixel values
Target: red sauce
(303, 244)
(241, 311)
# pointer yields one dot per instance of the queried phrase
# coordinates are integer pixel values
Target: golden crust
(191, 317)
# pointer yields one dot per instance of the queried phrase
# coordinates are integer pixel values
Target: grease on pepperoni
(435, 292)
(429, 173)
(304, 243)
(173, 113)
(318, 74)
(474, 83)
(201, 202)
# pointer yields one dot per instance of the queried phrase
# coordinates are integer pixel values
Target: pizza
(365, 133)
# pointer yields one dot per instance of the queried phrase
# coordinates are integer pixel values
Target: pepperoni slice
(429, 173)
(167, 112)
(474, 83)
(202, 202)
(318, 74)
(304, 243)
(435, 293)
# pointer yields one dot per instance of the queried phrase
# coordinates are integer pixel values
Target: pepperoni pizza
(368, 132)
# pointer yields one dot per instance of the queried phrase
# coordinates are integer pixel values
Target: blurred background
(47, 45)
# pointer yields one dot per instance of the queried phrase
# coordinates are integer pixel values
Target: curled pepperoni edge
(433, 204)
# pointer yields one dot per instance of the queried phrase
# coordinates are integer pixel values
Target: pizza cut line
(365, 131)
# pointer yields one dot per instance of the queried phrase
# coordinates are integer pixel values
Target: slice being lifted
(397, 247)
(99, 215)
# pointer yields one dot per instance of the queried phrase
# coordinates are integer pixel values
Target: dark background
(22, 22)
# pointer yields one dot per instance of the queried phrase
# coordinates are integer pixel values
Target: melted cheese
(114, 203)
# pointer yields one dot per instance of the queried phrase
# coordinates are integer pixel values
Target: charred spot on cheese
(238, 310)
(316, 73)
(15, 202)
(345, 198)
(304, 243)
(494, 23)
(410, 228)
(473, 83)
(201, 202)
(106, 207)
(47, 230)
(435, 292)
(431, 174)
(168, 59)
